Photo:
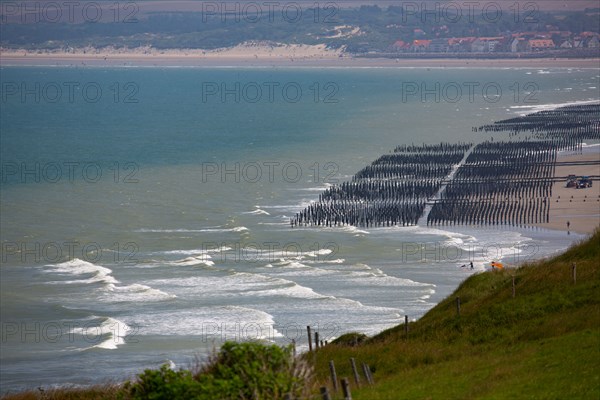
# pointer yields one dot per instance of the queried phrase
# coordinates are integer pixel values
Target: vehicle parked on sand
(571, 181)
(584, 182)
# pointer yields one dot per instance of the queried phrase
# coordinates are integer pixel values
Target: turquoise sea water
(144, 211)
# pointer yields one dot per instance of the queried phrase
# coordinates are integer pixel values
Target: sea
(145, 210)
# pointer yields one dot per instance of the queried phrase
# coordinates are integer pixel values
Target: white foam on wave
(103, 275)
(316, 253)
(234, 229)
(378, 278)
(334, 261)
(492, 244)
(290, 252)
(282, 287)
(242, 284)
(454, 238)
(294, 208)
(212, 323)
(189, 261)
(196, 252)
(346, 228)
(79, 267)
(292, 290)
(202, 259)
(290, 263)
(135, 292)
(530, 109)
(287, 268)
(112, 330)
(315, 188)
(258, 211)
(362, 274)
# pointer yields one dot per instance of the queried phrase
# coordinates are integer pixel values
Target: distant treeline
(379, 28)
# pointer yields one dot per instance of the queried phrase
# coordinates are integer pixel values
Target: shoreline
(275, 59)
(579, 207)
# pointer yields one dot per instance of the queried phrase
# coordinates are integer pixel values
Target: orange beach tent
(496, 264)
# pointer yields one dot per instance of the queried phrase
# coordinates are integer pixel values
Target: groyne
(501, 182)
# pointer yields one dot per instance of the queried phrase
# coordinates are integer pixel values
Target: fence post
(367, 373)
(333, 375)
(325, 393)
(458, 306)
(406, 326)
(355, 372)
(294, 347)
(574, 272)
(370, 376)
(346, 389)
(309, 338)
(317, 340)
(513, 287)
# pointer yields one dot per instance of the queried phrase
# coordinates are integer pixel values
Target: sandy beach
(580, 207)
(258, 55)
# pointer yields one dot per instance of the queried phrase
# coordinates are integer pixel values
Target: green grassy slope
(542, 344)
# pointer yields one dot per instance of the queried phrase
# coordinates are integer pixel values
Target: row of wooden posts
(345, 383)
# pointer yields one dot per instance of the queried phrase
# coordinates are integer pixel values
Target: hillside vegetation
(542, 344)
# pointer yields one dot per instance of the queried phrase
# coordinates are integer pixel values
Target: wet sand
(580, 207)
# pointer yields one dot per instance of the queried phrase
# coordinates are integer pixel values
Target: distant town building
(518, 45)
(593, 42)
(461, 45)
(540, 44)
(420, 46)
(439, 46)
(512, 42)
(401, 46)
(566, 44)
(486, 44)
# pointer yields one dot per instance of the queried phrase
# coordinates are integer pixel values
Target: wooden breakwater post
(355, 372)
(325, 393)
(574, 272)
(333, 375)
(346, 389)
(309, 338)
(406, 326)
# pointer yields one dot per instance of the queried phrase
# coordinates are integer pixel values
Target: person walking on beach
(471, 264)
(568, 225)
